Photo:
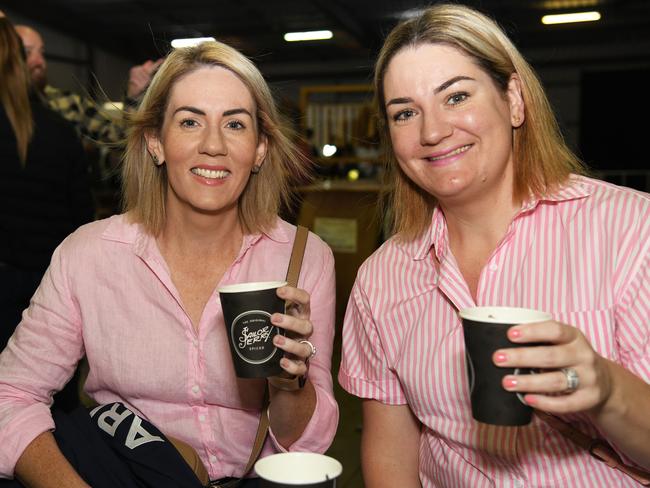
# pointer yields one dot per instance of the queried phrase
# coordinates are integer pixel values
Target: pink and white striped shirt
(108, 293)
(582, 254)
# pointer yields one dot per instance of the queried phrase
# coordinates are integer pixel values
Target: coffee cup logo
(252, 333)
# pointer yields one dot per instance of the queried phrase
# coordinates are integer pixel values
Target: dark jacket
(47, 198)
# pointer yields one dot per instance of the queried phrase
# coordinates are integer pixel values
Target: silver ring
(572, 379)
(312, 353)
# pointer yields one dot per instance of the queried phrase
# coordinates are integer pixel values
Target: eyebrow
(226, 113)
(450, 82)
(235, 111)
(444, 86)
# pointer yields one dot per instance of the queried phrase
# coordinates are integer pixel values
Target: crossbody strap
(293, 272)
(598, 448)
(297, 253)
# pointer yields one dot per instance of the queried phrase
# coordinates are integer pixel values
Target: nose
(434, 129)
(35, 58)
(213, 142)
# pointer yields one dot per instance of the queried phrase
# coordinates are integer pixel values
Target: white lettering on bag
(110, 420)
(138, 435)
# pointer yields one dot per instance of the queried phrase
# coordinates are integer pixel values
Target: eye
(189, 123)
(403, 115)
(235, 124)
(457, 98)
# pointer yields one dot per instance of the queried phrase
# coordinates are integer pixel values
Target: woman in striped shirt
(489, 208)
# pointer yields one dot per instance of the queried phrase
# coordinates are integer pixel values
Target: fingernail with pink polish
(279, 340)
(510, 383)
(500, 357)
(514, 333)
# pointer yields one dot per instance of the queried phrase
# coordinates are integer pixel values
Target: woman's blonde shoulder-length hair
(541, 157)
(144, 185)
(14, 86)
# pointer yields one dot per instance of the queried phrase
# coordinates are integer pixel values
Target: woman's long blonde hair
(542, 159)
(144, 185)
(14, 87)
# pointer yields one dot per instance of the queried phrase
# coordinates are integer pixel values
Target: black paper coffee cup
(298, 469)
(247, 310)
(485, 330)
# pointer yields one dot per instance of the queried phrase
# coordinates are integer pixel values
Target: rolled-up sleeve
(365, 371)
(317, 277)
(39, 360)
(633, 307)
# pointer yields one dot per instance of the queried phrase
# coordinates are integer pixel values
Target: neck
(480, 223)
(198, 234)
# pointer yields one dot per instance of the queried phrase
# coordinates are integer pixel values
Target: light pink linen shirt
(108, 293)
(582, 254)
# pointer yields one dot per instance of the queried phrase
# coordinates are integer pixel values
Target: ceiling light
(569, 18)
(410, 13)
(195, 41)
(308, 36)
(560, 4)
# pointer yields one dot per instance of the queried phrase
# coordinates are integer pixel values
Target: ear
(155, 146)
(516, 101)
(260, 152)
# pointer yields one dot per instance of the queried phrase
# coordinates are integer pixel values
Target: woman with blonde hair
(490, 208)
(44, 190)
(207, 166)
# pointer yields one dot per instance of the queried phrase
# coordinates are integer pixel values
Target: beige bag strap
(598, 448)
(293, 273)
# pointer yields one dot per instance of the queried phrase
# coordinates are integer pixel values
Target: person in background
(490, 209)
(88, 118)
(208, 164)
(44, 188)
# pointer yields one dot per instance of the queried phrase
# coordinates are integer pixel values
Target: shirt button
(493, 267)
(519, 483)
(213, 459)
(195, 388)
(195, 342)
(202, 418)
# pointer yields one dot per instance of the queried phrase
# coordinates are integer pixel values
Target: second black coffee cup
(485, 330)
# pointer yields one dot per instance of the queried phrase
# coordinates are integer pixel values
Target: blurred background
(596, 73)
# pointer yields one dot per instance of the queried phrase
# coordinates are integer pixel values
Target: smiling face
(450, 127)
(209, 141)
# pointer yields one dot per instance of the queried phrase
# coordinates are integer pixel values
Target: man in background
(89, 120)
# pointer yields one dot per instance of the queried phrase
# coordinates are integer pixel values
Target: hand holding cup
(566, 353)
(298, 329)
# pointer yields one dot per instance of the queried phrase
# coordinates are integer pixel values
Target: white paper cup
(293, 469)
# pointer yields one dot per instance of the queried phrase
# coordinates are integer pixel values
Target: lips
(211, 174)
(449, 154)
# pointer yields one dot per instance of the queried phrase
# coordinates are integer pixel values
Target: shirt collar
(278, 233)
(120, 229)
(575, 188)
(436, 236)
